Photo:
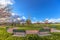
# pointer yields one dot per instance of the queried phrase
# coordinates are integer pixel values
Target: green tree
(28, 21)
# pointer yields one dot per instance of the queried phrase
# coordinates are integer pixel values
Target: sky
(37, 10)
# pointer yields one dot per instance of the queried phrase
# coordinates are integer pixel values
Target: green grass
(7, 36)
(36, 26)
(3, 34)
(30, 28)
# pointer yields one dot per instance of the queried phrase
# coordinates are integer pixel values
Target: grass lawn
(38, 26)
(35, 26)
(30, 28)
(6, 36)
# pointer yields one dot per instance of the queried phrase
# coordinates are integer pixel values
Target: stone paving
(10, 30)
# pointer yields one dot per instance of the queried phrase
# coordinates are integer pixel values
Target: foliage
(28, 21)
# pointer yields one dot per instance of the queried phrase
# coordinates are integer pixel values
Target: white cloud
(4, 3)
(33, 22)
(13, 14)
(23, 17)
(54, 20)
(46, 19)
(18, 18)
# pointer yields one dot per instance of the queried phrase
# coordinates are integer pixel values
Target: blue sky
(37, 9)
